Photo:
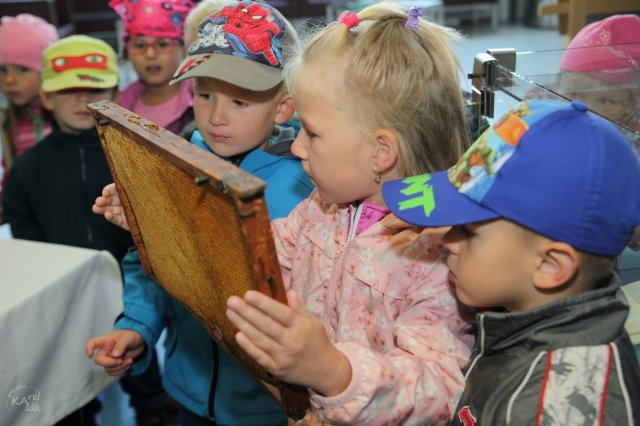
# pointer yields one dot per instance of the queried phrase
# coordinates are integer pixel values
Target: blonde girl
(372, 327)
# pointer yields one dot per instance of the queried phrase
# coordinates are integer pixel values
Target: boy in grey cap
(236, 64)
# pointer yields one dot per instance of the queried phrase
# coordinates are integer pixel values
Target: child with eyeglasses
(153, 36)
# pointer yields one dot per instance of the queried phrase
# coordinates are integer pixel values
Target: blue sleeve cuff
(126, 323)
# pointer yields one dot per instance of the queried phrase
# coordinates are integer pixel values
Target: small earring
(376, 177)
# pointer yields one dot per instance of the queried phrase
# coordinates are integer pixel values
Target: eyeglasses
(160, 46)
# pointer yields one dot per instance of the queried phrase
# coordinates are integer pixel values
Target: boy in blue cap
(540, 206)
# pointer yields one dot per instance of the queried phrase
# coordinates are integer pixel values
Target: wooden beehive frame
(200, 225)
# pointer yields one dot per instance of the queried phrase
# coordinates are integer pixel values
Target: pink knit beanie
(23, 38)
(152, 18)
(610, 48)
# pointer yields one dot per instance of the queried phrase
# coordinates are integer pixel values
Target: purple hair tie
(412, 20)
(350, 19)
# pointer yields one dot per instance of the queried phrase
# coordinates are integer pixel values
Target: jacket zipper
(84, 179)
(352, 225)
(214, 381)
(479, 347)
(354, 215)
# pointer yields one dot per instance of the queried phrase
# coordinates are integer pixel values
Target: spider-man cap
(240, 44)
(550, 166)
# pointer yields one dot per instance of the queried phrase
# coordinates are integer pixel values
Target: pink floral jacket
(386, 303)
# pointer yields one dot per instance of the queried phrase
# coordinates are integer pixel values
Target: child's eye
(3, 69)
(466, 230)
(205, 96)
(23, 70)
(238, 102)
(309, 133)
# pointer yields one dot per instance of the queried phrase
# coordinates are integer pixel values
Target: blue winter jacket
(200, 376)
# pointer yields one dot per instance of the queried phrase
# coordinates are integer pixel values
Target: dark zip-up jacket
(567, 363)
(51, 188)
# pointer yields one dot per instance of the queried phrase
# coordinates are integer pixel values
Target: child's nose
(297, 149)
(9, 77)
(150, 51)
(217, 116)
(450, 241)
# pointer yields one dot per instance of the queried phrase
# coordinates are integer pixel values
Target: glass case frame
(502, 78)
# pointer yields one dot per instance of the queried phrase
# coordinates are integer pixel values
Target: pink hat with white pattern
(610, 47)
(153, 18)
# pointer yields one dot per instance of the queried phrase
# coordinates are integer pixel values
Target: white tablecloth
(53, 299)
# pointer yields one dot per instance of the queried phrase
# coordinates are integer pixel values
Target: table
(53, 299)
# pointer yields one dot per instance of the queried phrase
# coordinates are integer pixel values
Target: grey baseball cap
(241, 45)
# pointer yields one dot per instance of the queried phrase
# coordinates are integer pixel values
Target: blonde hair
(392, 77)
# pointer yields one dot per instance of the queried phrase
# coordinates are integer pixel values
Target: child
(25, 121)
(536, 229)
(235, 109)
(77, 70)
(372, 327)
(154, 40)
(49, 187)
(600, 68)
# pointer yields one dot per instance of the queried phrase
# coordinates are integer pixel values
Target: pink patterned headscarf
(610, 46)
(152, 18)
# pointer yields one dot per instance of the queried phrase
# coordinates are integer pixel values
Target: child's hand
(288, 342)
(309, 419)
(108, 205)
(116, 350)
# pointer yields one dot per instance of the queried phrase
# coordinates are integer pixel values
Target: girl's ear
(386, 150)
(558, 265)
(46, 100)
(284, 110)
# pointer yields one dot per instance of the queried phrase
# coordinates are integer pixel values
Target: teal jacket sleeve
(145, 303)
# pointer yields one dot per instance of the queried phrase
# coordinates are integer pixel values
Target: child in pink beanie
(153, 36)
(24, 122)
(601, 67)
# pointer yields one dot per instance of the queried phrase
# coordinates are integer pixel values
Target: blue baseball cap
(550, 166)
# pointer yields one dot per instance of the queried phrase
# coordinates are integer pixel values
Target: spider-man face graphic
(249, 30)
